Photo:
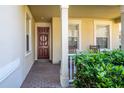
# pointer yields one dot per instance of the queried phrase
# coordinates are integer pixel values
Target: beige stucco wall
(56, 40)
(115, 35)
(87, 35)
(12, 43)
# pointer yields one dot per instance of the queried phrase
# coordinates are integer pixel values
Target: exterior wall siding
(12, 43)
(115, 35)
(56, 40)
(87, 35)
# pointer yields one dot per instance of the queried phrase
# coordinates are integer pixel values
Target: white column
(64, 78)
(122, 27)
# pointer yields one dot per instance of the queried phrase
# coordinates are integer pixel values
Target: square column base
(64, 81)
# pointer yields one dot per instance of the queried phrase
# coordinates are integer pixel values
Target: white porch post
(122, 27)
(64, 78)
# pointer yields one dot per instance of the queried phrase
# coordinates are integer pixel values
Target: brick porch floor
(43, 75)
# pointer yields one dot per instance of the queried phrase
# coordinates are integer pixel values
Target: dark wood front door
(43, 42)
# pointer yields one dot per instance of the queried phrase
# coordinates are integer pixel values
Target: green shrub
(102, 69)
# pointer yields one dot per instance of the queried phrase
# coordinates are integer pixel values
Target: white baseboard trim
(9, 69)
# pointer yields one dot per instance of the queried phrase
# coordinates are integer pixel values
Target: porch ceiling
(46, 12)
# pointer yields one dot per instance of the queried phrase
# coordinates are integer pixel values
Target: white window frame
(30, 34)
(119, 33)
(104, 23)
(77, 21)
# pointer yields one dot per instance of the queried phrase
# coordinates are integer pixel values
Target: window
(102, 36)
(73, 38)
(102, 42)
(28, 34)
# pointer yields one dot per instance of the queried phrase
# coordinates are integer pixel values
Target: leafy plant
(101, 69)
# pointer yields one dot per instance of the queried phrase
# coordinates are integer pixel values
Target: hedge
(100, 70)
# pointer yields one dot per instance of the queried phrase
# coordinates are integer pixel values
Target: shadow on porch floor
(43, 75)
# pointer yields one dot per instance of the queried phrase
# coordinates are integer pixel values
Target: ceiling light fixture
(42, 18)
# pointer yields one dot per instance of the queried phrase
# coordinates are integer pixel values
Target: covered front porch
(53, 34)
(60, 46)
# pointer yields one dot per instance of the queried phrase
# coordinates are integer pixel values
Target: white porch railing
(101, 50)
(72, 67)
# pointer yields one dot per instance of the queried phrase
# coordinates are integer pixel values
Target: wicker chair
(95, 48)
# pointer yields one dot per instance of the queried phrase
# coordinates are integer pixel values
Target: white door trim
(42, 25)
(103, 22)
(77, 21)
